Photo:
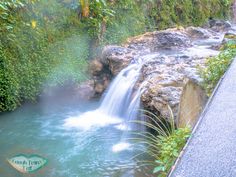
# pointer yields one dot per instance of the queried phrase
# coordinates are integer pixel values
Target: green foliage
(129, 21)
(216, 66)
(100, 16)
(169, 148)
(41, 45)
(164, 143)
(174, 12)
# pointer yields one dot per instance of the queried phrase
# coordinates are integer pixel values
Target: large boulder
(112, 60)
(192, 102)
(101, 76)
(198, 33)
(170, 39)
(219, 25)
(117, 58)
(159, 40)
(165, 79)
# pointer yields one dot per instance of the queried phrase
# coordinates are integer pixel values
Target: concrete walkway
(211, 152)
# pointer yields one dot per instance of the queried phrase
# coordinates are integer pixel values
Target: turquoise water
(71, 152)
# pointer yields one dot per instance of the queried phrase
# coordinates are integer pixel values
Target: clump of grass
(164, 141)
(216, 66)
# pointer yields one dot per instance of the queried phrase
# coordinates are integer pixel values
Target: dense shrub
(185, 12)
(41, 45)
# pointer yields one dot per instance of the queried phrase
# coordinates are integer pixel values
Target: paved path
(211, 151)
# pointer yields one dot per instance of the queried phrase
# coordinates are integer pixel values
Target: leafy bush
(164, 143)
(216, 66)
(169, 149)
(40, 44)
(195, 12)
(100, 15)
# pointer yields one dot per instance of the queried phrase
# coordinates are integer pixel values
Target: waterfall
(119, 104)
(118, 98)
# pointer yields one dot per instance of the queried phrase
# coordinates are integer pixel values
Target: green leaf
(158, 169)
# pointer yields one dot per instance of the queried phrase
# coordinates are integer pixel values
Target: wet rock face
(198, 33)
(170, 40)
(219, 25)
(165, 78)
(101, 76)
(113, 59)
(117, 58)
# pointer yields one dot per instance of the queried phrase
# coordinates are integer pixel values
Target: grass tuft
(163, 142)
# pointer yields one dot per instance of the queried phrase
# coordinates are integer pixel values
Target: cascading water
(119, 104)
(119, 96)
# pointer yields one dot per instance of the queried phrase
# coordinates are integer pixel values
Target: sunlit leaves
(33, 24)
(85, 7)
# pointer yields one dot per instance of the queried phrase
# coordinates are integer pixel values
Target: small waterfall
(119, 99)
(119, 104)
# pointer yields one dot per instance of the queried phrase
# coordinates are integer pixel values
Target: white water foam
(90, 120)
(123, 127)
(121, 147)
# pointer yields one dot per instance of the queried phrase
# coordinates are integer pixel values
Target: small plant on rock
(164, 141)
(216, 66)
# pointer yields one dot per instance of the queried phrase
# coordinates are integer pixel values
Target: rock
(101, 82)
(101, 76)
(158, 40)
(219, 25)
(95, 67)
(192, 102)
(198, 33)
(142, 43)
(112, 60)
(165, 79)
(170, 39)
(117, 58)
(230, 35)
